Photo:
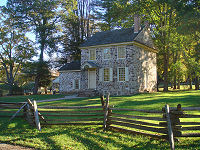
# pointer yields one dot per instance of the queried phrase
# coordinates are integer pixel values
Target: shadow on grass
(87, 136)
(185, 101)
(92, 137)
(23, 98)
(73, 102)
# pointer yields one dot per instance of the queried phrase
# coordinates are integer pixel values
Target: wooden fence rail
(11, 110)
(162, 124)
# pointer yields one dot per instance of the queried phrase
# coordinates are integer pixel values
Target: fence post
(37, 122)
(106, 112)
(108, 117)
(102, 100)
(175, 118)
(170, 131)
(29, 113)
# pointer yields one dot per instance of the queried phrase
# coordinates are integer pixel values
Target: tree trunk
(157, 85)
(10, 90)
(190, 82)
(10, 84)
(165, 72)
(175, 81)
(45, 90)
(171, 84)
(197, 83)
(179, 84)
(35, 91)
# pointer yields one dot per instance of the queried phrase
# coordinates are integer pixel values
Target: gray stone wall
(137, 60)
(66, 80)
(147, 75)
(145, 37)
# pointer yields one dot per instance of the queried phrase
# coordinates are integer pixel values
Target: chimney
(137, 23)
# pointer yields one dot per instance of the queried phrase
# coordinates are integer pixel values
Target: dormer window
(92, 54)
(121, 52)
(106, 53)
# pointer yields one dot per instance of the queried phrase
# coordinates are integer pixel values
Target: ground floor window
(76, 84)
(121, 74)
(106, 74)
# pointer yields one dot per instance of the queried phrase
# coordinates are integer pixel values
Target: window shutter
(79, 85)
(126, 74)
(73, 86)
(111, 74)
(101, 74)
(117, 74)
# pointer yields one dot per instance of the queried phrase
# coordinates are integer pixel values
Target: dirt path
(4, 146)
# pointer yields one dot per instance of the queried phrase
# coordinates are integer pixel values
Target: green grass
(92, 137)
(24, 98)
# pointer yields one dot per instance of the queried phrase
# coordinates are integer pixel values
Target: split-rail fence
(168, 123)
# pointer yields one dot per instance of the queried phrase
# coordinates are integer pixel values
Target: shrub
(18, 90)
(1, 92)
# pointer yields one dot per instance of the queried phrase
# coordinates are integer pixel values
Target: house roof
(110, 37)
(75, 65)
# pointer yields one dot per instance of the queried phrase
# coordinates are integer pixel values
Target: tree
(188, 12)
(77, 24)
(15, 48)
(41, 17)
(33, 69)
(104, 14)
(191, 55)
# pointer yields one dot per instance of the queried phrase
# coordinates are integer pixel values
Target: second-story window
(121, 52)
(92, 54)
(106, 53)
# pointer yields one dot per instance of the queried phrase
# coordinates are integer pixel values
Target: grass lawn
(24, 98)
(92, 137)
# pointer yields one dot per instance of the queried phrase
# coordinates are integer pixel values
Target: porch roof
(89, 64)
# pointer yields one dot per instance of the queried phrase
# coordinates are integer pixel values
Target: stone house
(122, 62)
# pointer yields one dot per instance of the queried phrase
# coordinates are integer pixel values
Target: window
(106, 53)
(121, 51)
(121, 74)
(92, 54)
(76, 84)
(106, 74)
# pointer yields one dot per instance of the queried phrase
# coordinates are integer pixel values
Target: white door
(92, 79)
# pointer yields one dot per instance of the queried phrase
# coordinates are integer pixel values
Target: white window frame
(94, 54)
(104, 53)
(118, 52)
(108, 74)
(126, 75)
(101, 74)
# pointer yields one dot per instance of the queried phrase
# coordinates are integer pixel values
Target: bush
(17, 90)
(1, 92)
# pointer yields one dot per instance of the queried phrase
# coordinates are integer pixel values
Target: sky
(3, 2)
(30, 35)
